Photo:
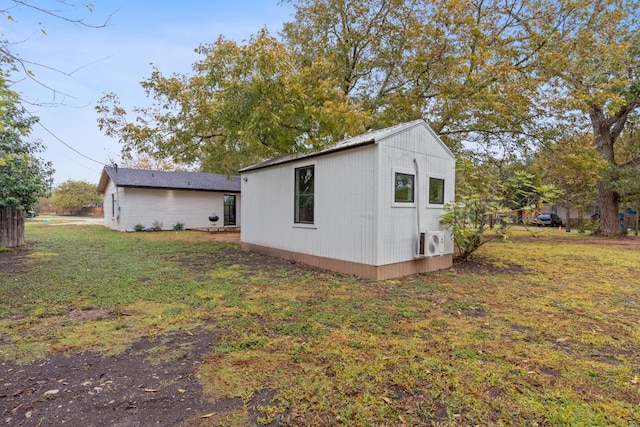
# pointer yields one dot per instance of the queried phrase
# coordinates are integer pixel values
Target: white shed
(369, 206)
(147, 197)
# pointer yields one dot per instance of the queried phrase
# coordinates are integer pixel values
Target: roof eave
(291, 159)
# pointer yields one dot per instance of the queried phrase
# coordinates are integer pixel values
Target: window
(113, 205)
(436, 191)
(229, 201)
(404, 184)
(304, 199)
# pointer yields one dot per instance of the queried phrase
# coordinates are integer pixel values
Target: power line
(68, 146)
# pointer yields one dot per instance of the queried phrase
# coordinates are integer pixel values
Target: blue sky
(115, 59)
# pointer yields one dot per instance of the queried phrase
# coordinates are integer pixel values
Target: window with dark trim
(403, 186)
(113, 205)
(229, 201)
(304, 197)
(436, 191)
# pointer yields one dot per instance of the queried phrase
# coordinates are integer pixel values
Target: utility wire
(68, 146)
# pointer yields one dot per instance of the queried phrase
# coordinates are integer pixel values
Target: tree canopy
(24, 177)
(242, 103)
(73, 195)
(493, 76)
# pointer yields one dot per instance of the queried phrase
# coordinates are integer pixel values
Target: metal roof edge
(288, 159)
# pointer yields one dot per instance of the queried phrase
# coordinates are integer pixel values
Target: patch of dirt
(478, 265)
(15, 259)
(152, 383)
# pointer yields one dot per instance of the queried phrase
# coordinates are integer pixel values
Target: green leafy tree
(74, 195)
(575, 168)
(243, 103)
(467, 68)
(594, 66)
(485, 203)
(24, 177)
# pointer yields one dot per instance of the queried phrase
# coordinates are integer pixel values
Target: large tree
(593, 64)
(575, 168)
(24, 177)
(73, 195)
(243, 103)
(468, 68)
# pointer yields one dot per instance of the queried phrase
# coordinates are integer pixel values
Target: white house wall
(398, 222)
(344, 217)
(110, 204)
(167, 207)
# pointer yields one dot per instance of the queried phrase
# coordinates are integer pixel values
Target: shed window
(436, 191)
(404, 184)
(304, 197)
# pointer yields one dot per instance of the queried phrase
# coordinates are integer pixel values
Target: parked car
(29, 214)
(549, 220)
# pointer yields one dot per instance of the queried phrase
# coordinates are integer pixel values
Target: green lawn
(536, 331)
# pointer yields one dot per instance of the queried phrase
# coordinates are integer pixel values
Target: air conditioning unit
(431, 244)
(434, 244)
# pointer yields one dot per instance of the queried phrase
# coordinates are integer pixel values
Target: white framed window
(404, 188)
(436, 191)
(304, 204)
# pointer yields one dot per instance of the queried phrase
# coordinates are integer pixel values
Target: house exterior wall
(344, 217)
(358, 227)
(147, 206)
(111, 205)
(399, 225)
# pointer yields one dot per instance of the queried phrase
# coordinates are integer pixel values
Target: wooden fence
(11, 228)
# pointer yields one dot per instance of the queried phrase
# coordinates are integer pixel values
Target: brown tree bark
(11, 228)
(606, 131)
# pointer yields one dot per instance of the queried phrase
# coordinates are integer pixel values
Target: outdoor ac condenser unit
(435, 244)
(431, 244)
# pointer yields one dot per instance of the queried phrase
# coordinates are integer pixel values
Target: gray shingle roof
(125, 177)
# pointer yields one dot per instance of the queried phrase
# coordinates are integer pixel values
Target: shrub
(156, 226)
(138, 227)
(178, 226)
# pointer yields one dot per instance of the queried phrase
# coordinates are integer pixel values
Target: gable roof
(179, 180)
(371, 137)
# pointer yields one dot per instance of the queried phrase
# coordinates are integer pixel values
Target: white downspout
(415, 166)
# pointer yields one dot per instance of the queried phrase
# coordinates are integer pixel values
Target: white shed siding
(145, 206)
(398, 225)
(357, 223)
(344, 217)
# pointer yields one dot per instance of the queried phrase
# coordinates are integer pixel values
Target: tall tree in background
(24, 178)
(594, 63)
(575, 168)
(493, 76)
(243, 103)
(74, 195)
(468, 68)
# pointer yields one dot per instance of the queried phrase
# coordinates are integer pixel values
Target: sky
(81, 64)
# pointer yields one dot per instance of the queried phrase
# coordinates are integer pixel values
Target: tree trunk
(11, 228)
(568, 218)
(608, 200)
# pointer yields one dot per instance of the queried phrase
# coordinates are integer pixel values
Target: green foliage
(243, 104)
(574, 167)
(138, 227)
(74, 195)
(24, 178)
(156, 225)
(178, 226)
(486, 202)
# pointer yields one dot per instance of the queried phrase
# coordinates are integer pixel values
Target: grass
(539, 330)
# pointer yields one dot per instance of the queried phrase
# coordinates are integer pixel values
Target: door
(229, 210)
